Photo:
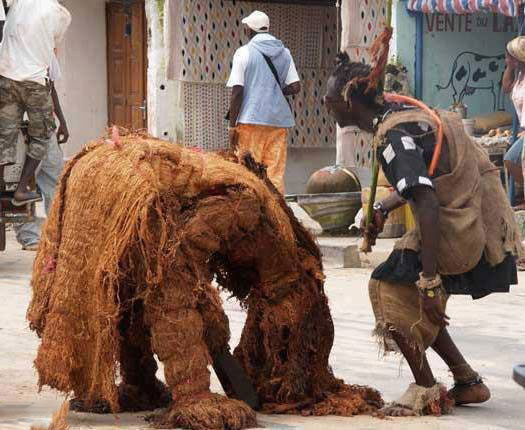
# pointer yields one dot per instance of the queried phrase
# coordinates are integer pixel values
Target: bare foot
(395, 410)
(469, 394)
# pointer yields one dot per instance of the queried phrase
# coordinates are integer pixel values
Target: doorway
(127, 62)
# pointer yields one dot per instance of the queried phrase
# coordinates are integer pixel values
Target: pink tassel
(115, 138)
(50, 265)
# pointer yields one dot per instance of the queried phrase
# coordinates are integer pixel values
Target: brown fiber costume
(124, 270)
(475, 220)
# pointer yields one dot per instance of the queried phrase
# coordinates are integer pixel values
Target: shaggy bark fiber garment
(136, 234)
(59, 420)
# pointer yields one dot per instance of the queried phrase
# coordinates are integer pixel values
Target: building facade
(452, 56)
(162, 65)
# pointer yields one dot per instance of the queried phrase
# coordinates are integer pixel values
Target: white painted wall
(347, 138)
(352, 31)
(163, 95)
(83, 89)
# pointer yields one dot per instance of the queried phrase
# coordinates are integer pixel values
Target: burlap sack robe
(475, 219)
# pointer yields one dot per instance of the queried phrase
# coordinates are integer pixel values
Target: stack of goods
(493, 121)
(499, 132)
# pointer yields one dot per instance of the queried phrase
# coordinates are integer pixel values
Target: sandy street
(491, 333)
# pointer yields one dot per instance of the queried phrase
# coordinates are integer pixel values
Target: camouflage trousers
(17, 98)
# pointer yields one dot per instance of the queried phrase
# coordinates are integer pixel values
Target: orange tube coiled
(398, 98)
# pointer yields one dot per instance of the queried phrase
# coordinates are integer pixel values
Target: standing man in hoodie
(263, 74)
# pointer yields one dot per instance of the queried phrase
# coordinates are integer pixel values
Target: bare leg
(447, 349)
(22, 194)
(469, 388)
(420, 369)
(417, 361)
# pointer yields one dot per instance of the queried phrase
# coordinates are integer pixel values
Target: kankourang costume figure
(466, 240)
(138, 230)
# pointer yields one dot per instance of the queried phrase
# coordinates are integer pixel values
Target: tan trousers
(268, 146)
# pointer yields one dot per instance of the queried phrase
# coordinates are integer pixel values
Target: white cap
(257, 20)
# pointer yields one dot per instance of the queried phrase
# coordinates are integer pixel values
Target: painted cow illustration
(472, 72)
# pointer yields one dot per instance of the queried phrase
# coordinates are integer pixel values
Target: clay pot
(333, 179)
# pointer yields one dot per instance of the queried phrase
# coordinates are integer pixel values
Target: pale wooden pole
(366, 246)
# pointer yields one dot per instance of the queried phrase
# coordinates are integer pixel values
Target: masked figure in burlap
(138, 231)
(466, 240)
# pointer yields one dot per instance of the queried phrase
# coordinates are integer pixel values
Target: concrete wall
(302, 162)
(348, 152)
(165, 108)
(205, 125)
(462, 54)
(83, 90)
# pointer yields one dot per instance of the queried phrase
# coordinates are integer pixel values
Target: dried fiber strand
(379, 58)
(59, 420)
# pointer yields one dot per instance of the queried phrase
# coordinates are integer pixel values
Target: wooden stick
(366, 246)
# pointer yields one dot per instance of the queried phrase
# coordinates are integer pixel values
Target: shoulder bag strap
(276, 76)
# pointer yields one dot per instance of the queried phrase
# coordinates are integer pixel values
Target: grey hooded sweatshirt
(263, 100)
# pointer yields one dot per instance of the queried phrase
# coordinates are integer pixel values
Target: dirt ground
(491, 333)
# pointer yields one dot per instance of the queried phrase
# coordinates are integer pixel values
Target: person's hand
(372, 230)
(432, 306)
(62, 133)
(233, 137)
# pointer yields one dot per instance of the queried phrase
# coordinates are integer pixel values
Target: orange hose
(398, 98)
